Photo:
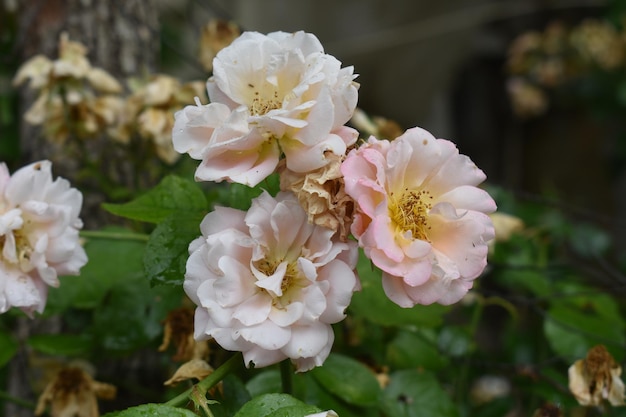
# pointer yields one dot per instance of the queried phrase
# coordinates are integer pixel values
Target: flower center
(20, 254)
(290, 285)
(410, 212)
(263, 103)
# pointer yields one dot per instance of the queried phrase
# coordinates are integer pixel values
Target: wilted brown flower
(178, 330)
(600, 43)
(321, 194)
(216, 35)
(527, 99)
(75, 99)
(193, 369)
(521, 50)
(505, 225)
(377, 126)
(548, 410)
(151, 109)
(73, 393)
(596, 378)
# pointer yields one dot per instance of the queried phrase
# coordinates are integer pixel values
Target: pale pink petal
(254, 310)
(342, 283)
(305, 158)
(257, 357)
(395, 290)
(307, 341)
(467, 197)
(463, 241)
(455, 171)
(266, 335)
(307, 363)
(194, 127)
(288, 315)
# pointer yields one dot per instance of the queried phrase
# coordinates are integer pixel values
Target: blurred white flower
(39, 239)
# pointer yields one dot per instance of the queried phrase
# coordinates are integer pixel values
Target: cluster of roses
(271, 281)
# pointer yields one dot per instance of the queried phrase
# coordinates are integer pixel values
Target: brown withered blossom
(548, 410)
(74, 98)
(73, 393)
(150, 111)
(527, 99)
(178, 331)
(377, 126)
(600, 43)
(321, 193)
(596, 378)
(216, 35)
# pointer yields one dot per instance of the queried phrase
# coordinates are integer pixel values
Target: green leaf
(110, 262)
(9, 348)
(167, 250)
(586, 318)
(61, 344)
(589, 241)
(455, 341)
(310, 391)
(173, 195)
(416, 350)
(348, 379)
(230, 398)
(372, 303)
(264, 383)
(131, 314)
(276, 405)
(239, 196)
(416, 393)
(153, 410)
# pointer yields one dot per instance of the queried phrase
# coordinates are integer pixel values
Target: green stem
(22, 403)
(100, 234)
(286, 372)
(464, 372)
(210, 381)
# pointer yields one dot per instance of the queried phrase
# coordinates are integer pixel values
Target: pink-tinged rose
(224, 143)
(420, 216)
(268, 283)
(286, 97)
(39, 239)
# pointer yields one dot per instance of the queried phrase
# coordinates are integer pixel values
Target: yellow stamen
(292, 280)
(410, 212)
(262, 103)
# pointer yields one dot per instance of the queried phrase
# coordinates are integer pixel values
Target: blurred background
(439, 65)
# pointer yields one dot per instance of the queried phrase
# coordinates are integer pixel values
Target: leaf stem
(101, 234)
(207, 383)
(463, 382)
